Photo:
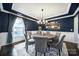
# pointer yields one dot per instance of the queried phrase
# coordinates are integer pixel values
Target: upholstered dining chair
(40, 45)
(56, 39)
(58, 45)
(28, 42)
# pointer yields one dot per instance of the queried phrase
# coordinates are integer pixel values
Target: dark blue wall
(66, 24)
(4, 22)
(30, 25)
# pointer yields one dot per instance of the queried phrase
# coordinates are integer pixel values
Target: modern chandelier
(51, 25)
(42, 20)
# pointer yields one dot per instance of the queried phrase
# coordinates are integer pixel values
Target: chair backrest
(60, 43)
(40, 44)
(58, 34)
(26, 39)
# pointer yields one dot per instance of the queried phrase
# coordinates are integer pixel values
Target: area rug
(20, 50)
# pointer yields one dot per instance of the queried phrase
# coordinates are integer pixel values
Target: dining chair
(56, 39)
(40, 45)
(58, 45)
(28, 41)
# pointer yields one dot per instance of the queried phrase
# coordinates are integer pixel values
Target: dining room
(39, 29)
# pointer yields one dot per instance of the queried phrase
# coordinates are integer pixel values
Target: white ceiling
(34, 9)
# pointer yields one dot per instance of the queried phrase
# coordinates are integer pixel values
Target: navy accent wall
(66, 24)
(4, 22)
(7, 6)
(73, 8)
(30, 25)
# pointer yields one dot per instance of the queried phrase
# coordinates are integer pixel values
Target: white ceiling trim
(66, 16)
(68, 7)
(15, 14)
(50, 9)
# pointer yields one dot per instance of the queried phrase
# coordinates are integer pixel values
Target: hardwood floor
(72, 49)
(18, 49)
(7, 49)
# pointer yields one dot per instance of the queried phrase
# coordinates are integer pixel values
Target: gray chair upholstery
(56, 39)
(58, 45)
(40, 45)
(28, 42)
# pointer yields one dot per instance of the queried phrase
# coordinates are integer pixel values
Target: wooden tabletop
(44, 36)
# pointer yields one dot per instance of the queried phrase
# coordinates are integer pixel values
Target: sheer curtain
(12, 19)
(9, 48)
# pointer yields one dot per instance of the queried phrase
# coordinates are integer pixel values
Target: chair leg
(36, 53)
(26, 47)
(44, 54)
(59, 52)
(49, 47)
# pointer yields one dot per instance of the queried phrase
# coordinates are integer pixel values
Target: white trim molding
(15, 14)
(66, 16)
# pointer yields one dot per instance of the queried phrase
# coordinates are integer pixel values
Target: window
(18, 28)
